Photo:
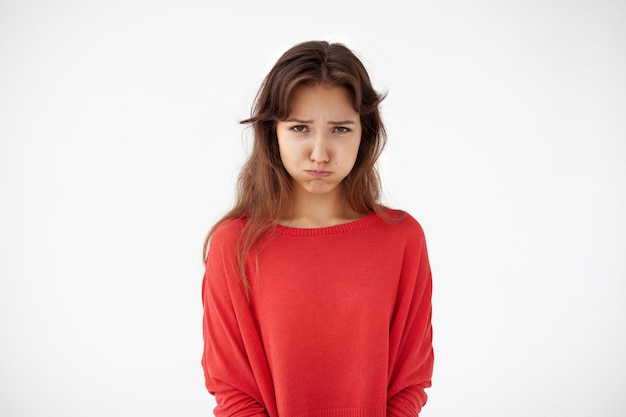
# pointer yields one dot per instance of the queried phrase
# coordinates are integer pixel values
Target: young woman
(317, 299)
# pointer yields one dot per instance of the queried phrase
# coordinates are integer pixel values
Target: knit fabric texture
(338, 323)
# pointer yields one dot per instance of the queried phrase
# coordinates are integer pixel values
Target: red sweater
(339, 323)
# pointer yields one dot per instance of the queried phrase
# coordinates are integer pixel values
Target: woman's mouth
(318, 174)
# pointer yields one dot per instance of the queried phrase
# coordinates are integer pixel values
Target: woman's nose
(319, 153)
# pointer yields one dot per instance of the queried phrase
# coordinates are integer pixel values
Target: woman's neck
(320, 210)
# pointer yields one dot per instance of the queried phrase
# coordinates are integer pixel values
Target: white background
(120, 147)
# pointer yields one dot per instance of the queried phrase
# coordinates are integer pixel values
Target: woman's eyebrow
(342, 122)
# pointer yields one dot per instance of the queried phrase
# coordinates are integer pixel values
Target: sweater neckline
(329, 230)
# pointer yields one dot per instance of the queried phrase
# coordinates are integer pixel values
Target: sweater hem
(376, 411)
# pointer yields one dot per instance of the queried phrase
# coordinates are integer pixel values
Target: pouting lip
(317, 173)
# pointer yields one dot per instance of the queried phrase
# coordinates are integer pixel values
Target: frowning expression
(319, 140)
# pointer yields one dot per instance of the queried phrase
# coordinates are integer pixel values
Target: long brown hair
(264, 189)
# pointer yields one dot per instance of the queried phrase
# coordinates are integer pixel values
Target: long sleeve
(411, 364)
(233, 358)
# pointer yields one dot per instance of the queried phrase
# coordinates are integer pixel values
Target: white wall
(119, 146)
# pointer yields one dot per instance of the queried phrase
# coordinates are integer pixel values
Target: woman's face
(320, 138)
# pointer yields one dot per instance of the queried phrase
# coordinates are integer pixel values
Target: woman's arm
(232, 353)
(411, 352)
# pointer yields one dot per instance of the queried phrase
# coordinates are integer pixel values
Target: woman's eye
(299, 128)
(341, 129)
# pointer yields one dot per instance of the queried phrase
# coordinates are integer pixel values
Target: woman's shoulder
(227, 232)
(402, 219)
(403, 225)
